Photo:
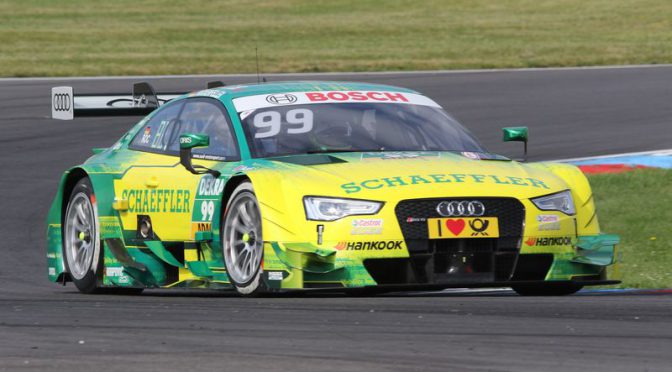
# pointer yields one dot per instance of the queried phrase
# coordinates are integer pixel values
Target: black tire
(246, 282)
(548, 289)
(88, 283)
(85, 279)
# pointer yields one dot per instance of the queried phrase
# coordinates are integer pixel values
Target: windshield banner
(304, 98)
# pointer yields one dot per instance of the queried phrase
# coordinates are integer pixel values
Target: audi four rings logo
(61, 102)
(281, 99)
(463, 208)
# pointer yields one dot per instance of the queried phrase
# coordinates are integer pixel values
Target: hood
(402, 175)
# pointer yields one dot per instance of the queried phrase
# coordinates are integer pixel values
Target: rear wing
(66, 105)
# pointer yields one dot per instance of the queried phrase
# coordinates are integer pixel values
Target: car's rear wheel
(81, 239)
(548, 289)
(242, 241)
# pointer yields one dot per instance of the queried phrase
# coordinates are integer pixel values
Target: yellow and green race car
(314, 185)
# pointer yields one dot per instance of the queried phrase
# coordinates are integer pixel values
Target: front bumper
(307, 266)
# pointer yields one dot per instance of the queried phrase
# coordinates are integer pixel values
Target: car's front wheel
(81, 239)
(242, 241)
(547, 289)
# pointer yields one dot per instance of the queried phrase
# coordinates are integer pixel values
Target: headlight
(561, 201)
(330, 209)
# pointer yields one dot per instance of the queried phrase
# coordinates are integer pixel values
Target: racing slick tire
(547, 289)
(242, 241)
(81, 242)
(81, 238)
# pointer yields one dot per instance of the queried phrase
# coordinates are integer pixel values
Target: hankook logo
(62, 102)
(281, 99)
(465, 208)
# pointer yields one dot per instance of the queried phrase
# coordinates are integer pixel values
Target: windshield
(336, 127)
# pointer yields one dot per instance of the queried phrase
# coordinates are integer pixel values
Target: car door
(158, 189)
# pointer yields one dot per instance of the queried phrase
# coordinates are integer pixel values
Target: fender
(109, 221)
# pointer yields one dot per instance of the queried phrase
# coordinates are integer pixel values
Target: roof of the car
(235, 91)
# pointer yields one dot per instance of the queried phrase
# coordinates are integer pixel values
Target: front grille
(437, 261)
(412, 215)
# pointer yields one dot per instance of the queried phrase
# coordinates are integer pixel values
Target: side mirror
(516, 134)
(189, 141)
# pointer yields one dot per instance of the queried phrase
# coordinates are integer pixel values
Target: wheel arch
(230, 186)
(103, 189)
(73, 176)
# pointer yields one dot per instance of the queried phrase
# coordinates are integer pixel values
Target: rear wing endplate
(66, 105)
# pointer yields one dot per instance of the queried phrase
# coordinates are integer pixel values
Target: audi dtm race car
(314, 185)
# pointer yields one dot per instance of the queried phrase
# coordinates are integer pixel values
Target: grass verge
(127, 37)
(637, 205)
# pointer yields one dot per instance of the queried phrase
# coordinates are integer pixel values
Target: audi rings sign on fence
(62, 103)
(461, 208)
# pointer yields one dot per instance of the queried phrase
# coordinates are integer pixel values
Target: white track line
(374, 73)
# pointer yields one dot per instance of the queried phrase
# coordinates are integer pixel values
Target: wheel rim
(80, 235)
(243, 244)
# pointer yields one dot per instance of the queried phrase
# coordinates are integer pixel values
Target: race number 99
(207, 210)
(269, 123)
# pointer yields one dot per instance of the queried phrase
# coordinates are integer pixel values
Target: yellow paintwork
(281, 187)
(172, 213)
(281, 192)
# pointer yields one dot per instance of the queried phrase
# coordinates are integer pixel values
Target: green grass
(123, 37)
(637, 205)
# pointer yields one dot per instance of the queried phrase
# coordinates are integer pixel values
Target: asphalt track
(571, 113)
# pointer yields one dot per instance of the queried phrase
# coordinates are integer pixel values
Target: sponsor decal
(548, 222)
(367, 227)
(213, 93)
(369, 246)
(157, 140)
(356, 96)
(275, 275)
(209, 157)
(52, 271)
(471, 155)
(148, 134)
(446, 228)
(398, 155)
(117, 272)
(479, 227)
(200, 226)
(114, 271)
(415, 219)
(209, 186)
(401, 181)
(281, 99)
(544, 242)
(242, 168)
(157, 200)
(248, 103)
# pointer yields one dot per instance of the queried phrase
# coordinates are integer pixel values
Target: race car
(352, 187)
